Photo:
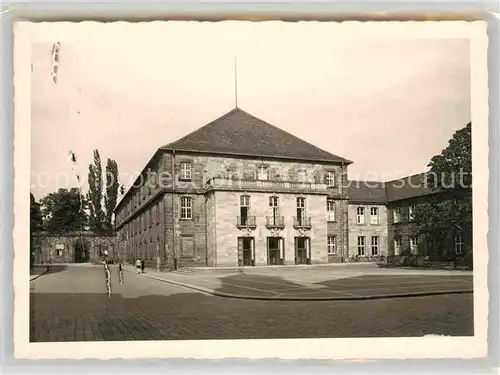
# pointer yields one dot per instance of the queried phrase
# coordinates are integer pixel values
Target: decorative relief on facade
(274, 232)
(303, 232)
(246, 231)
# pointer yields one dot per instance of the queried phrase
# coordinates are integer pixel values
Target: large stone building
(238, 191)
(241, 192)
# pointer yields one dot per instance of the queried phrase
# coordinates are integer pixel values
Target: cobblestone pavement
(73, 306)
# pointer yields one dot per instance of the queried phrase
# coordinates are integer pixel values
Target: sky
(387, 104)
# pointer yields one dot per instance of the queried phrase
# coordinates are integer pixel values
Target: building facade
(241, 192)
(403, 197)
(238, 191)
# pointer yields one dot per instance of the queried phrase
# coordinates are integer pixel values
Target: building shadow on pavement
(258, 285)
(183, 314)
(54, 268)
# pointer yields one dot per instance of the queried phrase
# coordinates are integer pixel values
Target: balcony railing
(301, 222)
(246, 222)
(275, 222)
(227, 183)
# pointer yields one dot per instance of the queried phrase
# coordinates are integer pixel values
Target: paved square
(72, 305)
(344, 282)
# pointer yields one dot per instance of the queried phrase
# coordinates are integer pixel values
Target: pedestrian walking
(143, 265)
(138, 265)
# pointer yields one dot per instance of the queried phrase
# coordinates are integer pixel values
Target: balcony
(275, 222)
(220, 183)
(246, 222)
(302, 222)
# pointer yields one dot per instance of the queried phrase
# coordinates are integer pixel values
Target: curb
(278, 298)
(37, 276)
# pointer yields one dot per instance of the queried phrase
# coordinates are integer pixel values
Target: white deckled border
(367, 348)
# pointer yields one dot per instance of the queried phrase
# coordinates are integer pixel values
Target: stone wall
(65, 248)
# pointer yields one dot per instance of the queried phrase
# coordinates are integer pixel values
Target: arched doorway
(81, 251)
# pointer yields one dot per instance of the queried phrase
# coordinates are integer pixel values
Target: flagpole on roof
(235, 83)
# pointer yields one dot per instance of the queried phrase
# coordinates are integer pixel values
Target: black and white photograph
(255, 182)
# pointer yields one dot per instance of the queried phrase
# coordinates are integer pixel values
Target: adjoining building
(242, 192)
(403, 197)
(367, 219)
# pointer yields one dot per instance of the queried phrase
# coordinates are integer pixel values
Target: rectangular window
(151, 216)
(361, 245)
(330, 179)
(459, 244)
(330, 208)
(332, 245)
(302, 176)
(301, 211)
(375, 245)
(244, 209)
(397, 246)
(396, 214)
(158, 213)
(414, 244)
(360, 215)
(411, 212)
(262, 173)
(374, 215)
(186, 208)
(185, 171)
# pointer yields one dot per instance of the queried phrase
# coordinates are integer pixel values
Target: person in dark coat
(143, 265)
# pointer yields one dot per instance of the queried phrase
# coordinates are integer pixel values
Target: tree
(449, 209)
(35, 223)
(36, 219)
(64, 211)
(452, 169)
(101, 218)
(112, 186)
(95, 194)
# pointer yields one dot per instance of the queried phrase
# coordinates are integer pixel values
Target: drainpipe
(173, 211)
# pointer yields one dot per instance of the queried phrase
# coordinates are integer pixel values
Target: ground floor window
(275, 251)
(246, 251)
(414, 244)
(459, 244)
(361, 245)
(397, 246)
(332, 245)
(375, 245)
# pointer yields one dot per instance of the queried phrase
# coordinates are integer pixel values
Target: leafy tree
(449, 209)
(64, 211)
(95, 194)
(102, 191)
(35, 223)
(112, 186)
(452, 169)
(36, 218)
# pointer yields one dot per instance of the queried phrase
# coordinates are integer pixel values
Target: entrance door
(246, 251)
(302, 253)
(275, 251)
